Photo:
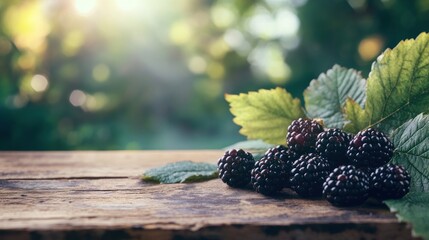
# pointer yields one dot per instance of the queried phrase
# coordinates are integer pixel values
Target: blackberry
(235, 167)
(268, 175)
(346, 186)
(284, 154)
(332, 145)
(302, 134)
(389, 182)
(369, 148)
(308, 174)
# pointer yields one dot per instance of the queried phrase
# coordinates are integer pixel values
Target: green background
(112, 74)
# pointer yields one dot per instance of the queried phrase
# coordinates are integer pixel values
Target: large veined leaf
(413, 208)
(265, 114)
(398, 85)
(326, 95)
(412, 151)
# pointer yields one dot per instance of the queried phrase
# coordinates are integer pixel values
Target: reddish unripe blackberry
(332, 144)
(346, 186)
(308, 174)
(302, 134)
(235, 167)
(268, 175)
(285, 155)
(389, 182)
(369, 148)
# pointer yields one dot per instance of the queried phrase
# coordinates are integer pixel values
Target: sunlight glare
(84, 7)
(126, 5)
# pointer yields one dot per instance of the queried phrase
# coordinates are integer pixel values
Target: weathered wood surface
(98, 195)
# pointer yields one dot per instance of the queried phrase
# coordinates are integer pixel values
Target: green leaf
(412, 151)
(398, 85)
(265, 114)
(256, 147)
(326, 96)
(181, 172)
(356, 115)
(413, 208)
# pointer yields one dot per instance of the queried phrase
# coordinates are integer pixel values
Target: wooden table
(98, 195)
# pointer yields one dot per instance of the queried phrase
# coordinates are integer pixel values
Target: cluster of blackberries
(343, 168)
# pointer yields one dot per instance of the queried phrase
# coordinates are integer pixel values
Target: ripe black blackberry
(302, 134)
(346, 186)
(235, 167)
(285, 155)
(268, 175)
(308, 174)
(389, 182)
(369, 148)
(332, 145)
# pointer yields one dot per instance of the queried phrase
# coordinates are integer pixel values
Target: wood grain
(98, 195)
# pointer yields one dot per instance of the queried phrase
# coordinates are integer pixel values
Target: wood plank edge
(232, 231)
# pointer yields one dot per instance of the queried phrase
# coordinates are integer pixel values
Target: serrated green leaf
(326, 95)
(265, 114)
(181, 172)
(398, 85)
(412, 151)
(413, 208)
(356, 115)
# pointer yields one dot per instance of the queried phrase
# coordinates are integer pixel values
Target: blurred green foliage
(143, 74)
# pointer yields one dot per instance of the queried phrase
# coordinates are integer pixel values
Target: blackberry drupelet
(308, 174)
(346, 186)
(389, 182)
(302, 134)
(369, 148)
(332, 145)
(284, 154)
(268, 175)
(235, 167)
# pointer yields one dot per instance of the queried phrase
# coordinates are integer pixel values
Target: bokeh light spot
(39, 83)
(278, 72)
(357, 4)
(287, 23)
(26, 61)
(101, 72)
(370, 47)
(5, 46)
(267, 60)
(180, 33)
(77, 98)
(95, 102)
(27, 25)
(16, 101)
(215, 70)
(72, 42)
(84, 7)
(223, 16)
(218, 49)
(197, 65)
